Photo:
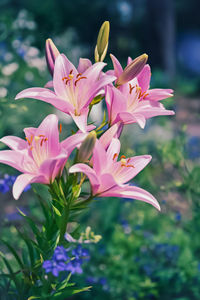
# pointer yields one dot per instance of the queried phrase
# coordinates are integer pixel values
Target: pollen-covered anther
(60, 128)
(131, 88)
(124, 162)
(145, 95)
(130, 166)
(29, 142)
(114, 156)
(82, 77)
(43, 140)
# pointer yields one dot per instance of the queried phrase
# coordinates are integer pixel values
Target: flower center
(124, 161)
(68, 78)
(38, 147)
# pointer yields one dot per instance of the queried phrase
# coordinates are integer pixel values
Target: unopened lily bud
(102, 42)
(133, 69)
(51, 52)
(87, 147)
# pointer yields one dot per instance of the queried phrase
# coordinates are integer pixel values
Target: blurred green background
(143, 254)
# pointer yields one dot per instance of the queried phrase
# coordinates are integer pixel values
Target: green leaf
(10, 270)
(34, 228)
(69, 291)
(44, 206)
(12, 250)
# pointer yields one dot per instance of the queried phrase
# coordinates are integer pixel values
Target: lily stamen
(114, 156)
(83, 77)
(60, 128)
(29, 142)
(131, 88)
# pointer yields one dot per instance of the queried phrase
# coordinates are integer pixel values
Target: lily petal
(134, 165)
(81, 120)
(62, 69)
(158, 94)
(131, 192)
(151, 109)
(49, 128)
(107, 182)
(22, 181)
(49, 84)
(14, 142)
(53, 167)
(117, 66)
(144, 78)
(113, 132)
(129, 118)
(83, 65)
(113, 150)
(89, 172)
(115, 101)
(46, 96)
(73, 141)
(13, 159)
(99, 158)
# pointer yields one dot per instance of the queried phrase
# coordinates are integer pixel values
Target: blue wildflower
(9, 179)
(62, 262)
(60, 254)
(137, 227)
(74, 266)
(126, 226)
(4, 188)
(148, 269)
(178, 216)
(80, 252)
(103, 282)
(193, 147)
(91, 280)
(54, 267)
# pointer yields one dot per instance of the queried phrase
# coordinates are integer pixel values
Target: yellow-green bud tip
(102, 41)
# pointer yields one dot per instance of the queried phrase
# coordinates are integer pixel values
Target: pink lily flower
(129, 107)
(143, 81)
(73, 91)
(134, 102)
(41, 157)
(108, 177)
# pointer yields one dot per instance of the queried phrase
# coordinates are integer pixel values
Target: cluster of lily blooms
(41, 157)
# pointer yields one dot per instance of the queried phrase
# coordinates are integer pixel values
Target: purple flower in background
(60, 254)
(7, 182)
(54, 267)
(178, 216)
(4, 188)
(74, 266)
(61, 261)
(80, 252)
(193, 147)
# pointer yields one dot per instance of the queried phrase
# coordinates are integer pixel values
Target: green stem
(65, 218)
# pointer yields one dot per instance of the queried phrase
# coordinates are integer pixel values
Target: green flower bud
(102, 42)
(87, 147)
(133, 69)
